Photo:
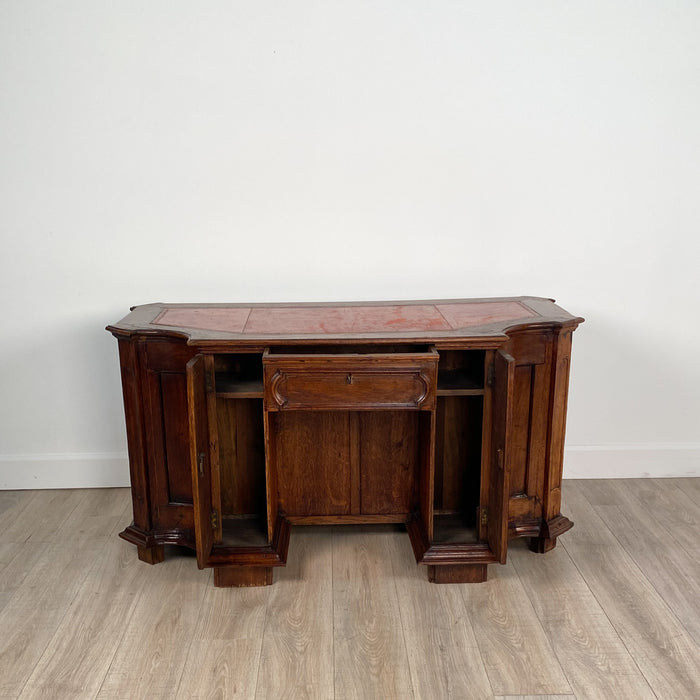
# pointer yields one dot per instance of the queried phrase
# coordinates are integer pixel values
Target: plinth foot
(457, 573)
(542, 545)
(151, 555)
(242, 576)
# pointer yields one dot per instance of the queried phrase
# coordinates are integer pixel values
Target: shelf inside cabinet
(238, 376)
(461, 373)
(244, 532)
(230, 385)
(458, 382)
(453, 528)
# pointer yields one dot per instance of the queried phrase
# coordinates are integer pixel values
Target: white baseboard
(655, 460)
(64, 471)
(111, 469)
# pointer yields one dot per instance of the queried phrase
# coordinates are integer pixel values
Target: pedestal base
(242, 576)
(458, 573)
(151, 555)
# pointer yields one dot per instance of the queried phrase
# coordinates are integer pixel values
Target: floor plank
(11, 504)
(371, 660)
(689, 486)
(16, 562)
(668, 566)
(672, 508)
(43, 515)
(155, 642)
(79, 655)
(225, 653)
(594, 659)
(611, 612)
(665, 653)
(296, 659)
(534, 697)
(518, 657)
(220, 668)
(32, 614)
(98, 516)
(444, 657)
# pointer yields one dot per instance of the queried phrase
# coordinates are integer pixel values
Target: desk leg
(457, 573)
(242, 576)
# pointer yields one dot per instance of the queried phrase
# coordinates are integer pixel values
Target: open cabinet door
(502, 397)
(200, 456)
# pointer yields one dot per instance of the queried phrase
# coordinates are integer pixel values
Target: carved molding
(425, 381)
(277, 378)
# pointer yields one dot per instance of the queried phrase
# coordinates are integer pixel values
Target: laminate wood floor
(612, 612)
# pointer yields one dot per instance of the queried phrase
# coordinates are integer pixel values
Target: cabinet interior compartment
(241, 449)
(336, 465)
(458, 439)
(461, 373)
(239, 376)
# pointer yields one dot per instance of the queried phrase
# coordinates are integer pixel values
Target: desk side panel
(135, 432)
(532, 352)
(155, 402)
(539, 418)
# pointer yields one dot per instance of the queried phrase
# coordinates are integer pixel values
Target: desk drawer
(350, 381)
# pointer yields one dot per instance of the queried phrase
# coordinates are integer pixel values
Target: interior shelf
(239, 376)
(230, 385)
(461, 373)
(453, 528)
(245, 531)
(458, 382)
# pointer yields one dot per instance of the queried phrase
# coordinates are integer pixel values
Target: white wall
(253, 151)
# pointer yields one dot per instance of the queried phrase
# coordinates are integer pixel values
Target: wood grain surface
(612, 612)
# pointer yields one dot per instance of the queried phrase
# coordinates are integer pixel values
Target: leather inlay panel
(344, 319)
(230, 320)
(480, 313)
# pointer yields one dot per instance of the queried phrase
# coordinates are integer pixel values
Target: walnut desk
(245, 419)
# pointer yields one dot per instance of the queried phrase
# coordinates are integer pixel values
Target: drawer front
(350, 382)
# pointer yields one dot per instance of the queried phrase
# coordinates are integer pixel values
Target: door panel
(200, 455)
(175, 436)
(389, 462)
(501, 451)
(313, 463)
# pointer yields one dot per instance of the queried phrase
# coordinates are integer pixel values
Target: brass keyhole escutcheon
(349, 378)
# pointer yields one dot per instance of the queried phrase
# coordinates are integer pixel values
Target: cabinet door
(501, 449)
(201, 449)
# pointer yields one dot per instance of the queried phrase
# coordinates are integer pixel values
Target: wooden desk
(447, 416)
